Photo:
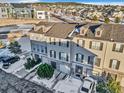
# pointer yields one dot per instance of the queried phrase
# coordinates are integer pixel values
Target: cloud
(18, 1)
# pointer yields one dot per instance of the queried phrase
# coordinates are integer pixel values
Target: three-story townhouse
(62, 52)
(107, 42)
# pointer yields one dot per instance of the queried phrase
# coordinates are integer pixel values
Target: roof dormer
(83, 31)
(98, 32)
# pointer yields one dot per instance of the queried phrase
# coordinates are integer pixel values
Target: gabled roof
(16, 5)
(61, 30)
(55, 29)
(109, 31)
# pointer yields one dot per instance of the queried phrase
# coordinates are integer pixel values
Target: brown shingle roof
(110, 31)
(40, 26)
(61, 30)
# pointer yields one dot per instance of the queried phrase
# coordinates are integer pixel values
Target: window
(52, 53)
(67, 43)
(97, 62)
(63, 56)
(90, 60)
(111, 75)
(52, 41)
(79, 57)
(33, 47)
(96, 45)
(59, 42)
(45, 49)
(82, 32)
(98, 33)
(42, 49)
(118, 47)
(40, 13)
(80, 42)
(38, 48)
(63, 43)
(79, 69)
(114, 64)
(36, 56)
(3, 9)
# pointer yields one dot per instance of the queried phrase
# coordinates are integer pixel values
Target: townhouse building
(53, 43)
(43, 15)
(5, 10)
(22, 11)
(107, 42)
(82, 49)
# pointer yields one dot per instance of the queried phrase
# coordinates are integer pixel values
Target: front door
(78, 69)
(53, 64)
(36, 56)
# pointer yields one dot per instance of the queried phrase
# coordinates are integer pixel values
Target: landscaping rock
(12, 84)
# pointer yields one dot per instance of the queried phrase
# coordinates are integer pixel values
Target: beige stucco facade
(106, 54)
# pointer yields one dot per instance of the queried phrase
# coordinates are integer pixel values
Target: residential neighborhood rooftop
(109, 32)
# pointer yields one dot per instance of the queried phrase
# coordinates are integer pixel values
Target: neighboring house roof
(4, 5)
(15, 5)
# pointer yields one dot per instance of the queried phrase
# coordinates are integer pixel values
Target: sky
(113, 2)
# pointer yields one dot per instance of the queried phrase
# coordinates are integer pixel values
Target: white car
(88, 86)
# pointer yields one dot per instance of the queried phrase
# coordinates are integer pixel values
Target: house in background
(5, 10)
(43, 15)
(22, 11)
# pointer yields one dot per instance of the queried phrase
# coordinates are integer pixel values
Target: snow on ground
(69, 85)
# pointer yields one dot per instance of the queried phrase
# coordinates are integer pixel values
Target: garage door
(65, 69)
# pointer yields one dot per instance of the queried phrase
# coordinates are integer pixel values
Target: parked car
(88, 86)
(1, 58)
(9, 60)
(14, 59)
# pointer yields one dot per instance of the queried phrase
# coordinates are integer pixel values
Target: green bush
(31, 63)
(110, 87)
(101, 88)
(15, 47)
(45, 71)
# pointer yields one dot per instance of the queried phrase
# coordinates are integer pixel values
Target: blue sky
(83, 0)
(120, 2)
(114, 2)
